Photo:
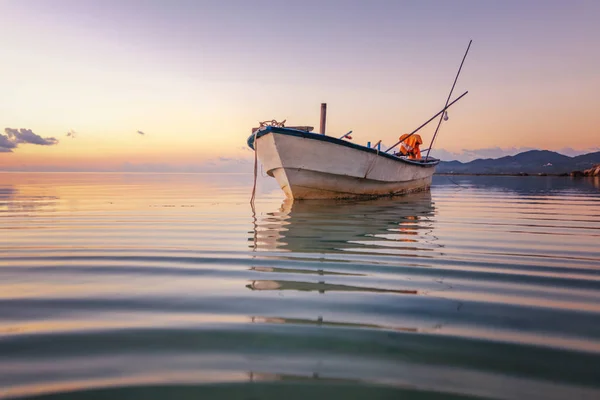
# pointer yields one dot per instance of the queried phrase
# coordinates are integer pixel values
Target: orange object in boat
(410, 147)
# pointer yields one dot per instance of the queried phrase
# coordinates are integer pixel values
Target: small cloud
(72, 134)
(568, 151)
(6, 145)
(27, 136)
(494, 152)
(12, 138)
(140, 133)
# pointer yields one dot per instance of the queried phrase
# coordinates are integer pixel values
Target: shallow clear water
(169, 286)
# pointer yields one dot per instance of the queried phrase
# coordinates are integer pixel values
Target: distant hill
(530, 162)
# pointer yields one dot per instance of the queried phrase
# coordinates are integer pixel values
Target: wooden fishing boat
(314, 166)
(311, 165)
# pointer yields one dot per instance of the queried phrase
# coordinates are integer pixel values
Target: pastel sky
(182, 82)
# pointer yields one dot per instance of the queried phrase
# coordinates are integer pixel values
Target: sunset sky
(179, 84)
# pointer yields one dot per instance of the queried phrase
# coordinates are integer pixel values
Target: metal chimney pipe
(323, 117)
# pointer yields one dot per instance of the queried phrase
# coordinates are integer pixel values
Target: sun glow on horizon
(108, 70)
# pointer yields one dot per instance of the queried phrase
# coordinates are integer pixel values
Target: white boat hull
(306, 168)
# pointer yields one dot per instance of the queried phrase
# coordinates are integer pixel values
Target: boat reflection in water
(321, 287)
(344, 235)
(385, 225)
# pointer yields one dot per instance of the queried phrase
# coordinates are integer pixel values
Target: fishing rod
(448, 99)
(428, 121)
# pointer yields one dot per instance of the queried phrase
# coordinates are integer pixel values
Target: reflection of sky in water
(14, 200)
(522, 185)
(6, 192)
(135, 279)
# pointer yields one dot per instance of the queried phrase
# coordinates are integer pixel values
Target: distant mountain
(530, 162)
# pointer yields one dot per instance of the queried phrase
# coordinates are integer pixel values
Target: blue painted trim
(317, 136)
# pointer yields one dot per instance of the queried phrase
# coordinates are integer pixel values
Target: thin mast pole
(428, 121)
(448, 99)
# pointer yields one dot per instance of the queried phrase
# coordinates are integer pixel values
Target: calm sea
(153, 286)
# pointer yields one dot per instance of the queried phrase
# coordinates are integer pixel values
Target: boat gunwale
(324, 138)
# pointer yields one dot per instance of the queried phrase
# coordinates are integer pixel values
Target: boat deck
(430, 162)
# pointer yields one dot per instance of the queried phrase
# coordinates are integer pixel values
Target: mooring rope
(255, 143)
(274, 123)
(453, 181)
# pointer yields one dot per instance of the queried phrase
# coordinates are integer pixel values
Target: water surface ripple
(171, 286)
